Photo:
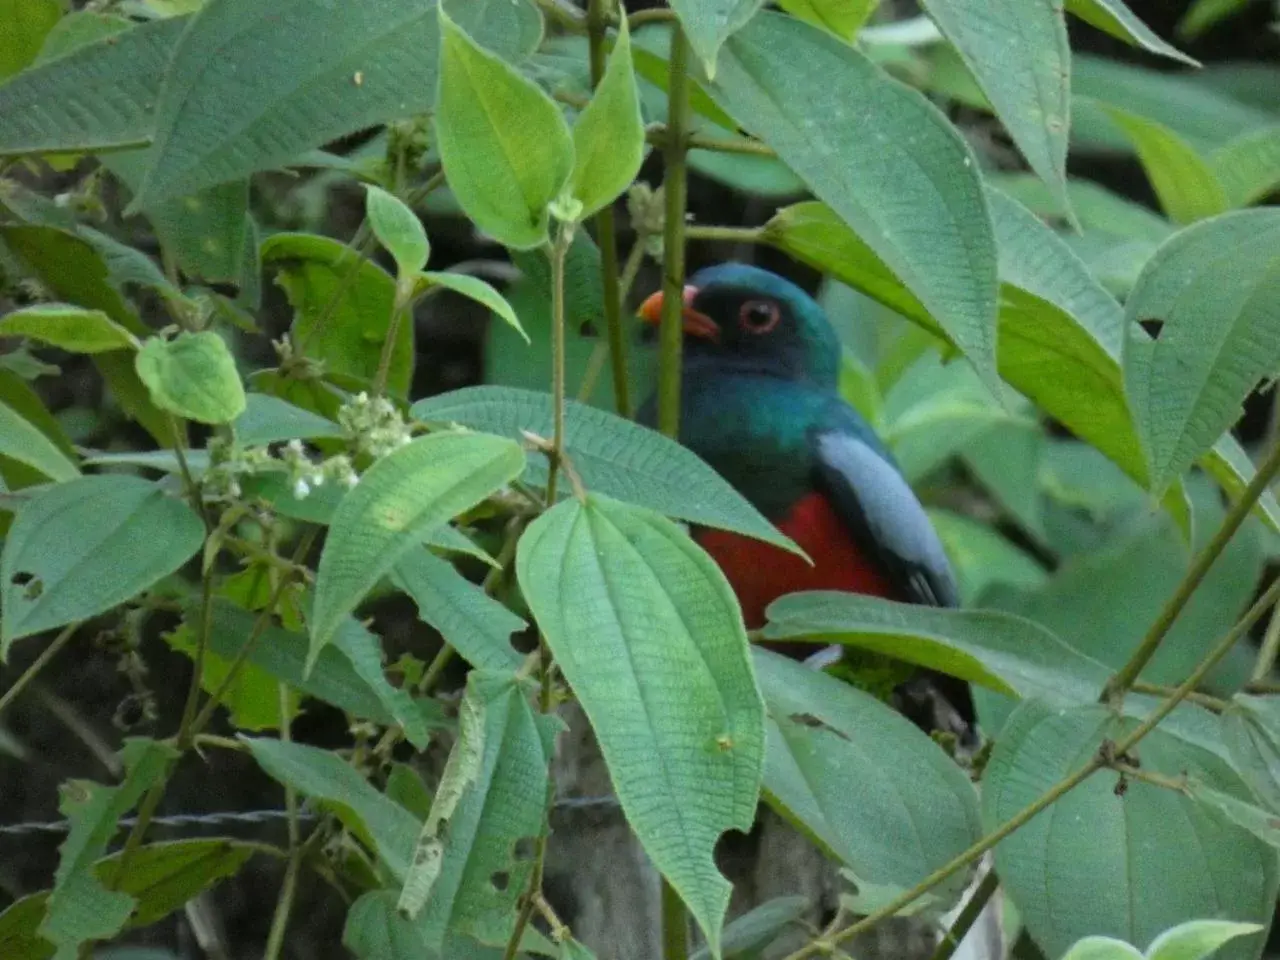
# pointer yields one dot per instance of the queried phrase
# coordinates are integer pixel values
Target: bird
(760, 403)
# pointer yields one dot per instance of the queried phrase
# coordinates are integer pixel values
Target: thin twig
(559, 248)
(284, 905)
(1215, 704)
(725, 234)
(1123, 679)
(602, 350)
(642, 18)
(1267, 652)
(955, 935)
(657, 134)
(40, 662)
(1176, 784)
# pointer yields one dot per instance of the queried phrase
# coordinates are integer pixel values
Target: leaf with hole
(485, 857)
(505, 146)
(87, 545)
(193, 375)
(648, 634)
(469, 620)
(342, 309)
(387, 828)
(80, 909)
(399, 499)
(610, 455)
(608, 136)
(1203, 328)
(398, 229)
(883, 158)
(826, 773)
(69, 327)
(1144, 877)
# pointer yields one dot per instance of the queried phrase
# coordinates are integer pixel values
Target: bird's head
(749, 320)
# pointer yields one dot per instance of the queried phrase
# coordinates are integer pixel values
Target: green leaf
(385, 826)
(69, 327)
(826, 772)
(1231, 467)
(709, 23)
(1019, 56)
(1248, 167)
(501, 806)
(1261, 823)
(1143, 877)
(252, 698)
(161, 877)
(1096, 207)
(1204, 14)
(1102, 948)
(844, 18)
(1007, 460)
(311, 75)
(28, 23)
(1197, 939)
(268, 419)
(1113, 17)
(398, 229)
(758, 927)
(399, 499)
(375, 930)
(981, 557)
(648, 634)
(363, 651)
(80, 908)
(1251, 730)
(608, 136)
(25, 443)
(505, 146)
(84, 546)
(335, 678)
(1006, 653)
(905, 181)
(347, 337)
(473, 288)
(513, 29)
(1184, 182)
(469, 620)
(193, 375)
(1212, 292)
(97, 97)
(611, 456)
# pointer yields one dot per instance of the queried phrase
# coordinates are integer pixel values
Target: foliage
(1057, 369)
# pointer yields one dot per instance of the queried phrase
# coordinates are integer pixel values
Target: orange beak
(695, 323)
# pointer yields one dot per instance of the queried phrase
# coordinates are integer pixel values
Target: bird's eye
(758, 316)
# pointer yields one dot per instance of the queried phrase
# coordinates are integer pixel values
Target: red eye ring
(758, 316)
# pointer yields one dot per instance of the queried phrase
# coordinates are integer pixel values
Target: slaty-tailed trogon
(759, 403)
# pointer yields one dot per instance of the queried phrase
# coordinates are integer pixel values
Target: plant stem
(1059, 790)
(204, 628)
(1123, 679)
(399, 309)
(559, 248)
(598, 15)
(643, 18)
(726, 234)
(968, 917)
(675, 924)
(280, 921)
(570, 18)
(1177, 784)
(675, 188)
(1215, 704)
(1267, 653)
(47, 654)
(658, 134)
(596, 362)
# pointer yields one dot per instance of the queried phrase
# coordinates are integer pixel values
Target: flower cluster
(373, 426)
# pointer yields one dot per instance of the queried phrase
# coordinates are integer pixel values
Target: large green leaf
(1128, 864)
(84, 546)
(26, 443)
(1113, 17)
(28, 22)
(71, 328)
(1096, 208)
(97, 97)
(610, 455)
(268, 419)
(709, 23)
(608, 137)
(505, 146)
(827, 771)
(844, 18)
(375, 929)
(340, 320)
(399, 499)
(79, 907)
(253, 85)
(161, 878)
(1007, 653)
(1212, 293)
(502, 806)
(896, 172)
(469, 620)
(1018, 53)
(388, 828)
(1248, 167)
(648, 634)
(1251, 729)
(398, 229)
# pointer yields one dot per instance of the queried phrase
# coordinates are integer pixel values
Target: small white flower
(300, 489)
